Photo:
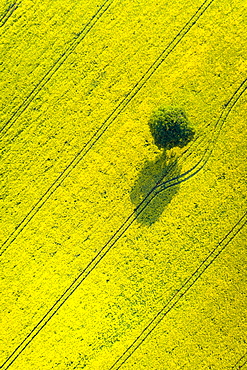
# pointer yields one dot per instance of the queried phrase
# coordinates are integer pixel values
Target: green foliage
(170, 127)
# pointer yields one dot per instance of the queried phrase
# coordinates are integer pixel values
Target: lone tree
(170, 127)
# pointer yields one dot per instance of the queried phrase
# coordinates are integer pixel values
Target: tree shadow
(153, 172)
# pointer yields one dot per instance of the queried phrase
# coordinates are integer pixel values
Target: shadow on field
(159, 170)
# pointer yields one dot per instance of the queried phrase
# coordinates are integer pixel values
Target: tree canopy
(170, 127)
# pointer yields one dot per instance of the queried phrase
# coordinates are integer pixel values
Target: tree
(170, 127)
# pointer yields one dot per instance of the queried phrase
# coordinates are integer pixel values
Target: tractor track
(161, 186)
(7, 14)
(240, 363)
(54, 68)
(105, 125)
(180, 293)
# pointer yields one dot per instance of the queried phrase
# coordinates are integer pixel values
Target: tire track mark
(180, 293)
(240, 363)
(96, 260)
(49, 74)
(208, 151)
(105, 125)
(7, 14)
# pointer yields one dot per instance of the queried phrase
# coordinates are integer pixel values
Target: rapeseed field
(115, 253)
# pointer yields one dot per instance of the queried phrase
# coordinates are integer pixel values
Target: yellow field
(94, 276)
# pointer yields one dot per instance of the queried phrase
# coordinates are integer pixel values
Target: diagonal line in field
(240, 363)
(106, 124)
(215, 134)
(49, 74)
(83, 274)
(7, 14)
(179, 294)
